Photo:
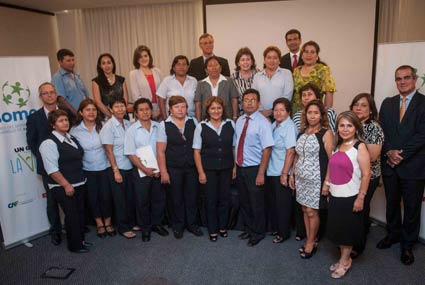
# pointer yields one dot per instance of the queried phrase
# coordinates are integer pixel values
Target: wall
(24, 33)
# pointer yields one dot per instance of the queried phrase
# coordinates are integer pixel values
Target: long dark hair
(84, 104)
(372, 106)
(100, 74)
(324, 121)
(316, 47)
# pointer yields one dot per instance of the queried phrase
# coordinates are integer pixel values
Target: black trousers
(52, 209)
(123, 197)
(217, 190)
(184, 185)
(252, 202)
(99, 193)
(73, 208)
(150, 201)
(411, 191)
(281, 206)
(373, 184)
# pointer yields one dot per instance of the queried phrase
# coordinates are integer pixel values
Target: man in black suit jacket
(38, 130)
(197, 65)
(403, 162)
(293, 42)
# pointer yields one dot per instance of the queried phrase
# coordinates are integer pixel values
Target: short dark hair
(285, 102)
(137, 54)
(176, 60)
(211, 58)
(141, 101)
(115, 100)
(372, 106)
(292, 31)
(310, 86)
(412, 69)
(210, 101)
(62, 53)
(54, 116)
(251, 91)
(240, 53)
(316, 47)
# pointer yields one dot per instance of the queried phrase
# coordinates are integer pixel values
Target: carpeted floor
(196, 260)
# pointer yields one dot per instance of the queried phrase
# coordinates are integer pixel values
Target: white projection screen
(344, 29)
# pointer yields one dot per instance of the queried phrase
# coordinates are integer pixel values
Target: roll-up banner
(22, 195)
(391, 56)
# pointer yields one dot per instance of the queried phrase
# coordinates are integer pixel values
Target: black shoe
(56, 238)
(243, 235)
(87, 244)
(146, 237)
(101, 232)
(407, 257)
(177, 234)
(386, 242)
(110, 231)
(82, 250)
(160, 230)
(307, 255)
(223, 233)
(196, 231)
(253, 242)
(273, 233)
(213, 238)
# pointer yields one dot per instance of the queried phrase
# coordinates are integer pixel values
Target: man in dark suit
(403, 162)
(37, 131)
(197, 65)
(292, 59)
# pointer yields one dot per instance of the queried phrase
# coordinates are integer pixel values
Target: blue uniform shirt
(137, 136)
(113, 134)
(285, 137)
(258, 137)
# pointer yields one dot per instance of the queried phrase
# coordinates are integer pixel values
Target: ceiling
(61, 5)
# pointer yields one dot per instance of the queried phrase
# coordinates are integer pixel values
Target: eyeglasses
(250, 100)
(48, 93)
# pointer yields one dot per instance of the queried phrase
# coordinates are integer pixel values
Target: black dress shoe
(253, 242)
(56, 238)
(146, 237)
(407, 257)
(243, 235)
(196, 231)
(87, 244)
(82, 250)
(177, 234)
(386, 242)
(160, 230)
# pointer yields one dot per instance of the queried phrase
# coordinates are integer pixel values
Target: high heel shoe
(110, 230)
(307, 255)
(101, 231)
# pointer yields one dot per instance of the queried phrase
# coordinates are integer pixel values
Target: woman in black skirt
(347, 181)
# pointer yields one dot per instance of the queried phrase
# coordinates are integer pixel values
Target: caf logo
(15, 94)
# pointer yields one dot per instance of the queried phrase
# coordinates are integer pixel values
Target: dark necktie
(239, 154)
(295, 63)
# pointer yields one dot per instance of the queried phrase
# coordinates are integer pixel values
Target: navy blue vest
(217, 150)
(179, 152)
(70, 161)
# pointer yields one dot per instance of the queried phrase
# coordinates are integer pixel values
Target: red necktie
(295, 63)
(239, 154)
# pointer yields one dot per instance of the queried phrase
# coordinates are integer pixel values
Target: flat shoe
(341, 270)
(213, 238)
(278, 239)
(223, 233)
(101, 232)
(334, 266)
(110, 230)
(128, 235)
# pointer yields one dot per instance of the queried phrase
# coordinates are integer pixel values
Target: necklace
(348, 143)
(110, 79)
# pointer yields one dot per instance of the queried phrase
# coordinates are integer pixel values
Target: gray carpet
(194, 260)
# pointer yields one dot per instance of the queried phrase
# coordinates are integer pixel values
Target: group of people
(273, 131)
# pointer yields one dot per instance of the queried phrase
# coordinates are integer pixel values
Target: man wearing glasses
(254, 141)
(197, 65)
